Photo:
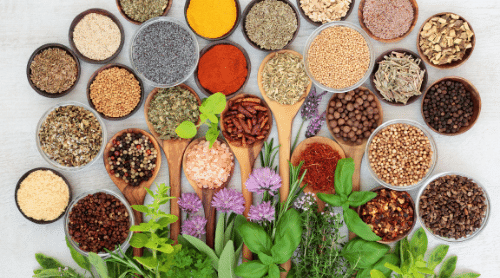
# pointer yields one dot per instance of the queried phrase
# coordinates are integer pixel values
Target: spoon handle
(210, 214)
(284, 138)
(174, 174)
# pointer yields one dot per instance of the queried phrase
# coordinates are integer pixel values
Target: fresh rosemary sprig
(268, 155)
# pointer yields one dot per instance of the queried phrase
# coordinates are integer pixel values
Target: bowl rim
(316, 23)
(181, 25)
(122, 12)
(433, 158)
(334, 24)
(38, 51)
(24, 176)
(122, 199)
(236, 22)
(462, 239)
(109, 66)
(52, 162)
(103, 12)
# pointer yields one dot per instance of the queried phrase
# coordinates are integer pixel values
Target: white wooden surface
(27, 24)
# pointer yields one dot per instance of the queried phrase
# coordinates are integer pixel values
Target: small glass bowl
(54, 163)
(431, 167)
(73, 243)
(313, 36)
(477, 231)
(182, 25)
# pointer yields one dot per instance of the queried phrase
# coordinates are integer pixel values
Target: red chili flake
(117, 153)
(138, 147)
(320, 161)
(148, 152)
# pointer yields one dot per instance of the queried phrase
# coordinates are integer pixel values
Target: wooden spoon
(134, 194)
(174, 150)
(206, 195)
(246, 156)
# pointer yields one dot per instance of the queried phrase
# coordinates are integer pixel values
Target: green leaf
(47, 262)
(139, 240)
(213, 119)
(274, 271)
(418, 243)
(358, 198)
(48, 273)
(219, 235)
(467, 275)
(203, 247)
(266, 259)
(405, 255)
(148, 262)
(186, 130)
(165, 248)
(81, 260)
(288, 236)
(437, 256)
(212, 134)
(387, 258)
(375, 273)
(364, 253)
(252, 269)
(425, 270)
(255, 237)
(167, 220)
(448, 267)
(393, 268)
(214, 104)
(235, 236)
(357, 226)
(203, 118)
(343, 176)
(332, 199)
(226, 261)
(99, 264)
(143, 227)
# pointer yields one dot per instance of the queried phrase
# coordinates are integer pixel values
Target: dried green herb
(142, 10)
(53, 71)
(169, 108)
(271, 24)
(284, 78)
(399, 77)
(71, 135)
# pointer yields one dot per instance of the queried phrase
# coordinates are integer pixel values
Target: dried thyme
(53, 71)
(170, 107)
(399, 77)
(284, 78)
(142, 10)
(71, 135)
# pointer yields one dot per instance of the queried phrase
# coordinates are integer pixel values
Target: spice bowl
(92, 79)
(316, 23)
(23, 177)
(361, 19)
(415, 127)
(122, 12)
(55, 163)
(131, 220)
(475, 98)
(100, 12)
(457, 210)
(376, 68)
(40, 50)
(244, 18)
(210, 46)
(224, 36)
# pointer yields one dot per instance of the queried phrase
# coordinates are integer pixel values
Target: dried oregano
(142, 10)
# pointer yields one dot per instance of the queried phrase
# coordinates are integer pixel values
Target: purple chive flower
(189, 202)
(315, 125)
(228, 200)
(262, 212)
(263, 179)
(304, 203)
(194, 226)
(310, 107)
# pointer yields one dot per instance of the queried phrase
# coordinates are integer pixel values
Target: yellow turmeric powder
(211, 18)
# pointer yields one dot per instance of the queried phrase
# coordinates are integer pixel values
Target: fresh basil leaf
(397, 249)
(437, 256)
(140, 208)
(375, 273)
(47, 262)
(343, 176)
(219, 236)
(393, 268)
(332, 199)
(186, 130)
(418, 243)
(405, 255)
(255, 238)
(99, 264)
(139, 240)
(387, 258)
(252, 269)
(226, 261)
(448, 267)
(467, 275)
(214, 104)
(358, 198)
(203, 247)
(81, 260)
(266, 259)
(212, 134)
(357, 226)
(274, 271)
(364, 253)
(288, 236)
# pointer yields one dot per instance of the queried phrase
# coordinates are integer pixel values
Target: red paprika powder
(223, 69)
(320, 161)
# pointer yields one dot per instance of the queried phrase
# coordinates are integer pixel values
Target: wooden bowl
(165, 12)
(247, 10)
(412, 203)
(362, 22)
(101, 12)
(207, 48)
(91, 80)
(299, 7)
(238, 16)
(120, 182)
(349, 143)
(19, 185)
(376, 67)
(476, 101)
(453, 64)
(38, 51)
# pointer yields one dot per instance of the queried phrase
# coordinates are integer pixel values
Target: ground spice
(115, 92)
(53, 70)
(211, 18)
(388, 19)
(320, 161)
(142, 10)
(223, 69)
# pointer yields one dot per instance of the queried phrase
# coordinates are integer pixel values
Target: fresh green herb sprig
(344, 197)
(210, 110)
(268, 155)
